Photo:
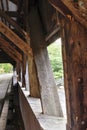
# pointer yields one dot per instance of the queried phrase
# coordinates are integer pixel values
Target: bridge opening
(6, 68)
(55, 56)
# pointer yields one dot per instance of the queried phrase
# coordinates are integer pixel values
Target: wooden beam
(15, 39)
(66, 7)
(74, 38)
(2, 5)
(11, 14)
(59, 6)
(57, 29)
(75, 12)
(7, 4)
(11, 49)
(13, 23)
(24, 70)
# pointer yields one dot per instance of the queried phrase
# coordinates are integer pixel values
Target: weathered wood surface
(24, 70)
(74, 38)
(15, 39)
(76, 8)
(29, 118)
(13, 23)
(48, 92)
(33, 79)
(49, 96)
(45, 121)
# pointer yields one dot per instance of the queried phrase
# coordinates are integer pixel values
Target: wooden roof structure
(27, 27)
(16, 18)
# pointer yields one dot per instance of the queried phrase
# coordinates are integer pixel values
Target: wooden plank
(15, 39)
(11, 49)
(4, 114)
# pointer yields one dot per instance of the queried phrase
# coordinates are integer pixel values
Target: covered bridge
(27, 27)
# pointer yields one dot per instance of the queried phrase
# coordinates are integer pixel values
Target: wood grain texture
(15, 39)
(74, 38)
(49, 96)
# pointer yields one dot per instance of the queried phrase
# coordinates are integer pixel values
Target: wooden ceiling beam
(13, 23)
(23, 46)
(11, 49)
(66, 7)
(60, 7)
(75, 12)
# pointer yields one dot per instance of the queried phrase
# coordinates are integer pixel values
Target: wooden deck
(5, 87)
(4, 81)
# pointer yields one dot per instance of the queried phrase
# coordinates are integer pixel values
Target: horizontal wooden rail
(29, 118)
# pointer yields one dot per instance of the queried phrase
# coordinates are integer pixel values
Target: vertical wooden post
(34, 84)
(49, 96)
(33, 80)
(74, 39)
(23, 71)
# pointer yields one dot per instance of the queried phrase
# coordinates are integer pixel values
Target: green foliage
(55, 56)
(5, 68)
